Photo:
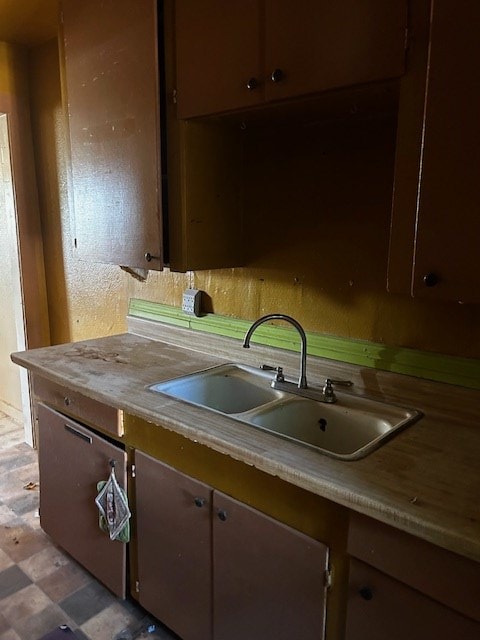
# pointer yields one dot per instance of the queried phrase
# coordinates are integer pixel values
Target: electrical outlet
(191, 302)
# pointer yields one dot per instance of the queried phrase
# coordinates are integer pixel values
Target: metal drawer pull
(79, 434)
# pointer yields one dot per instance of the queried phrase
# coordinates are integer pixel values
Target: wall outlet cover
(191, 303)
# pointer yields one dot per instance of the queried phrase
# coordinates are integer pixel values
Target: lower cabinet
(381, 607)
(72, 459)
(402, 587)
(212, 567)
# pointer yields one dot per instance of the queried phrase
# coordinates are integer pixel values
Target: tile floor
(40, 586)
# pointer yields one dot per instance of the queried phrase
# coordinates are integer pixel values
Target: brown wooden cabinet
(270, 581)
(212, 567)
(72, 460)
(112, 95)
(241, 53)
(118, 59)
(173, 525)
(402, 587)
(435, 221)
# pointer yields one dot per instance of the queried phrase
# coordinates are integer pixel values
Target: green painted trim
(422, 364)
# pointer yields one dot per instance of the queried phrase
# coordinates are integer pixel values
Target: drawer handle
(77, 433)
(366, 593)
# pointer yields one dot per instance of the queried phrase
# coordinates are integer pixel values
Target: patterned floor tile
(10, 635)
(64, 581)
(109, 622)
(12, 580)
(5, 561)
(24, 604)
(21, 541)
(43, 563)
(87, 602)
(36, 626)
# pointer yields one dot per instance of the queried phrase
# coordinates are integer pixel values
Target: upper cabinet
(112, 95)
(242, 53)
(435, 221)
(118, 87)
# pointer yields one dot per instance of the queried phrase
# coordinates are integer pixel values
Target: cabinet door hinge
(137, 587)
(133, 471)
(174, 96)
(406, 44)
(328, 578)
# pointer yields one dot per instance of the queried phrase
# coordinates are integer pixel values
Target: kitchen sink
(229, 388)
(349, 429)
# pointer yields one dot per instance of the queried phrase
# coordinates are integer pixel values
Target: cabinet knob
(252, 84)
(431, 279)
(222, 515)
(199, 502)
(149, 257)
(366, 593)
(277, 75)
(66, 401)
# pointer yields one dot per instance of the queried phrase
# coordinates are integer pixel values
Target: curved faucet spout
(302, 380)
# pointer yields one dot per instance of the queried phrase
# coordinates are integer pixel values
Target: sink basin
(230, 388)
(348, 430)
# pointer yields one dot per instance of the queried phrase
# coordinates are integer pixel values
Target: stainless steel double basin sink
(349, 429)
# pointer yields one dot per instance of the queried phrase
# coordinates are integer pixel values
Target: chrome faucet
(327, 394)
(302, 380)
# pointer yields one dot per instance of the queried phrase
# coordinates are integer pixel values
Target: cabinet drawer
(84, 409)
(442, 575)
(380, 607)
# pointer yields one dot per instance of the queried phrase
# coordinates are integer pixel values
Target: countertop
(424, 481)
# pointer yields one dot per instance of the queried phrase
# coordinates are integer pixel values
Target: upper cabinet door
(448, 219)
(111, 89)
(241, 53)
(315, 45)
(435, 228)
(218, 56)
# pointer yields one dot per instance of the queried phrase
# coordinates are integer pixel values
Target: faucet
(302, 380)
(327, 394)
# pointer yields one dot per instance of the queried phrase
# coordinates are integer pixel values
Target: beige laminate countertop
(424, 481)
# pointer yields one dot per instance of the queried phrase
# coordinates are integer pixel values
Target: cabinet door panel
(113, 111)
(269, 578)
(218, 52)
(321, 45)
(389, 609)
(448, 220)
(72, 459)
(174, 547)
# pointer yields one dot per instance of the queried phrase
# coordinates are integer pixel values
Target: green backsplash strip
(431, 366)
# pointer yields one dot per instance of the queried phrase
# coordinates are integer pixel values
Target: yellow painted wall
(317, 219)
(10, 390)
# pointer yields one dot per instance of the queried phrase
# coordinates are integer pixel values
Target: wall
(306, 188)
(10, 390)
(317, 219)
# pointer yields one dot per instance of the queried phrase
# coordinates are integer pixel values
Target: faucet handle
(279, 377)
(329, 393)
(339, 383)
